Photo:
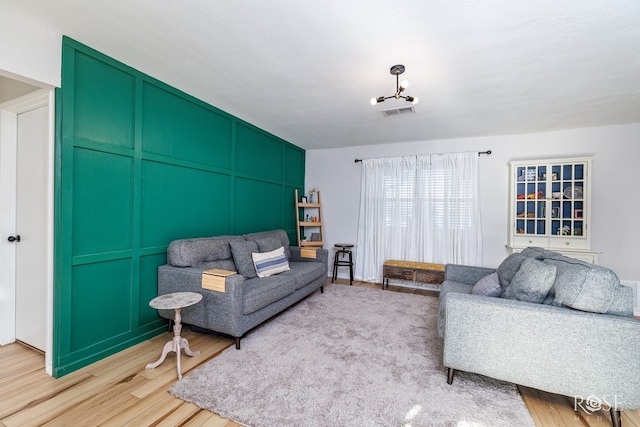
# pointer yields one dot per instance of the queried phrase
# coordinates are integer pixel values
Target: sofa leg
(237, 343)
(616, 417)
(450, 373)
(322, 289)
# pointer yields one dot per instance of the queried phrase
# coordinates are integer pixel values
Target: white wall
(615, 231)
(29, 51)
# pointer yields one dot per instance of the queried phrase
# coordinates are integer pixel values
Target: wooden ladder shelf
(315, 226)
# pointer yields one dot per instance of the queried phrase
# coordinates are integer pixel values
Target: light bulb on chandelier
(396, 70)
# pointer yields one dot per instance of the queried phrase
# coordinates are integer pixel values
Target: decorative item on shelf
(315, 237)
(531, 174)
(538, 195)
(312, 193)
(396, 70)
(556, 194)
(304, 238)
(573, 192)
(303, 199)
(577, 213)
(554, 177)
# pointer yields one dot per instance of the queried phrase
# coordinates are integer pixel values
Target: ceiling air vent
(398, 111)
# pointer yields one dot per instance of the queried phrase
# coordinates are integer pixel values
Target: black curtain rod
(488, 152)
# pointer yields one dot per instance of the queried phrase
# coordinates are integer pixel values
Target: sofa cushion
(488, 286)
(242, 250)
(508, 268)
(192, 252)
(622, 304)
(583, 286)
(270, 263)
(280, 235)
(304, 273)
(223, 264)
(535, 252)
(532, 282)
(259, 292)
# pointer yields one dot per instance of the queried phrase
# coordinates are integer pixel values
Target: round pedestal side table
(175, 301)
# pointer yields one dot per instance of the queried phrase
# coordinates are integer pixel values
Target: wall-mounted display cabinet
(550, 206)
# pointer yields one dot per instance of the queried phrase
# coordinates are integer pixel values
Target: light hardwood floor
(119, 391)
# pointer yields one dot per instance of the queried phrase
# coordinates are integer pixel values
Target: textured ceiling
(305, 70)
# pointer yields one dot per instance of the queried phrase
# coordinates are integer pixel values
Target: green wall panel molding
(139, 164)
(104, 102)
(258, 153)
(294, 159)
(148, 287)
(175, 127)
(179, 202)
(105, 224)
(260, 207)
(99, 292)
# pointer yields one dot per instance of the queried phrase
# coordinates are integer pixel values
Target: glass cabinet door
(567, 199)
(531, 205)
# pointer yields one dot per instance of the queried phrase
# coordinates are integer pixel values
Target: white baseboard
(636, 295)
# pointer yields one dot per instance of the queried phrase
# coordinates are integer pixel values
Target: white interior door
(31, 226)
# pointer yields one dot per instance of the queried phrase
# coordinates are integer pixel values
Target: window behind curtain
(419, 208)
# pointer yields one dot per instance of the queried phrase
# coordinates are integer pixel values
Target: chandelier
(396, 70)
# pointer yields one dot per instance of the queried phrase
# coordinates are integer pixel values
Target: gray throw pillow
(508, 268)
(268, 244)
(488, 286)
(532, 282)
(241, 251)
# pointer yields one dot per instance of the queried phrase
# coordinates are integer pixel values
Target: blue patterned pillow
(270, 263)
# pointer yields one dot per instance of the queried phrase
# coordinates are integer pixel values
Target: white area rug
(352, 356)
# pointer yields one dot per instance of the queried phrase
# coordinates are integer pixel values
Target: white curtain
(419, 208)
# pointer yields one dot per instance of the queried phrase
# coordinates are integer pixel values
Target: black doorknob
(14, 238)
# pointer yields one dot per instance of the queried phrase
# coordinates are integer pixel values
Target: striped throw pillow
(269, 263)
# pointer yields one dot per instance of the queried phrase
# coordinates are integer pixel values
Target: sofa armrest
(322, 255)
(220, 309)
(466, 273)
(556, 349)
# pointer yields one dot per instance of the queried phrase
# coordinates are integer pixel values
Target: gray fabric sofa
(248, 300)
(581, 341)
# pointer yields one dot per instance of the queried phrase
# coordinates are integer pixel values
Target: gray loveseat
(578, 339)
(248, 300)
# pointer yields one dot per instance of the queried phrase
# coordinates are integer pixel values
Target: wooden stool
(342, 250)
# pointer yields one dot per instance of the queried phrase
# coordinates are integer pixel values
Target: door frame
(9, 112)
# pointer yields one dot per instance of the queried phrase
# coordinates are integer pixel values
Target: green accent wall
(139, 164)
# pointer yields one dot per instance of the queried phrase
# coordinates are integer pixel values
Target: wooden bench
(416, 272)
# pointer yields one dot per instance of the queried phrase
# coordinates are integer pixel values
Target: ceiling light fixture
(396, 70)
